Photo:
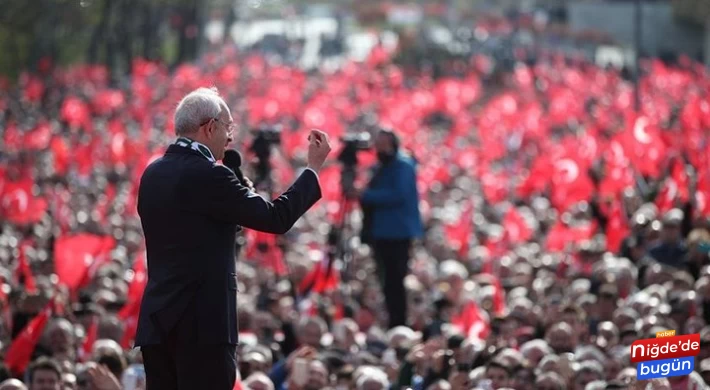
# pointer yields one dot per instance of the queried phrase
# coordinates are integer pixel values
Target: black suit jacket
(190, 209)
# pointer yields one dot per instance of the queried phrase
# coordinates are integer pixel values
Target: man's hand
(102, 378)
(304, 352)
(248, 183)
(318, 149)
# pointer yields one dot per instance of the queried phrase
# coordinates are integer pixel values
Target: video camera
(264, 138)
(353, 143)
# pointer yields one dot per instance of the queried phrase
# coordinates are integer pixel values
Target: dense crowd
(560, 224)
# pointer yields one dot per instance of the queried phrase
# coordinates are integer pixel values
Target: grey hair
(536, 343)
(373, 375)
(596, 385)
(259, 377)
(196, 108)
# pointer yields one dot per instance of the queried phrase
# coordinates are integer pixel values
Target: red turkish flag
(91, 336)
(76, 113)
(644, 146)
(12, 138)
(20, 351)
(516, 228)
(34, 89)
(561, 235)
(39, 137)
(108, 101)
(570, 183)
(499, 306)
(471, 321)
(320, 279)
(262, 248)
(60, 152)
(24, 272)
(617, 228)
(459, 232)
(19, 205)
(78, 257)
(130, 312)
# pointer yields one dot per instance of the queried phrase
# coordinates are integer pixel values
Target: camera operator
(392, 220)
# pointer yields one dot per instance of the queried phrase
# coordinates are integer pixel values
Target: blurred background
(174, 31)
(563, 182)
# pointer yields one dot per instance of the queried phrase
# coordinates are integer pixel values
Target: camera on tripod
(353, 143)
(264, 138)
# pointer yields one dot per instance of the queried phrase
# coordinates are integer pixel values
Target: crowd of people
(560, 224)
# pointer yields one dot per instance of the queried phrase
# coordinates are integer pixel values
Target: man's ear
(209, 129)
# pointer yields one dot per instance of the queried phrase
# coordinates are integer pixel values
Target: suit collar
(194, 147)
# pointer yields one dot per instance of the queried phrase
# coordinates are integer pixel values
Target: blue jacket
(392, 196)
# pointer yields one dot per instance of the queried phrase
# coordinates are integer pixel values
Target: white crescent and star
(569, 169)
(640, 133)
(18, 195)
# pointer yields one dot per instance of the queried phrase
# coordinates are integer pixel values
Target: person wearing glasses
(191, 208)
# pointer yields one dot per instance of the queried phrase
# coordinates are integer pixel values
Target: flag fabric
(19, 353)
(263, 249)
(24, 272)
(19, 205)
(91, 336)
(515, 227)
(459, 232)
(499, 306)
(78, 257)
(323, 277)
(140, 279)
(471, 321)
(131, 310)
(617, 228)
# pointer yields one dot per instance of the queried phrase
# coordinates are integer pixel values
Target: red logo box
(665, 348)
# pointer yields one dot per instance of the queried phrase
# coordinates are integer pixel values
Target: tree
(110, 32)
(696, 12)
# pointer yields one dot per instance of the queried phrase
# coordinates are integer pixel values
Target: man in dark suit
(191, 208)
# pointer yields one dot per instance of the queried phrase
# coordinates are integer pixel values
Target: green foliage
(696, 12)
(112, 32)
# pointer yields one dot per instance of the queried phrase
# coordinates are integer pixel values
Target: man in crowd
(392, 201)
(44, 374)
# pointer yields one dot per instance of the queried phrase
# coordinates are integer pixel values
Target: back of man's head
(258, 381)
(199, 105)
(12, 384)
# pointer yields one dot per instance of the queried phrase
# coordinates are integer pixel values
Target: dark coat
(191, 210)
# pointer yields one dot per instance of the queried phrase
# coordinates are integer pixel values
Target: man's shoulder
(405, 161)
(193, 171)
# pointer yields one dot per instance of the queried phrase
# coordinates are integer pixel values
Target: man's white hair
(260, 378)
(372, 374)
(196, 108)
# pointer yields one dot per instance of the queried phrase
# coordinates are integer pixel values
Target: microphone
(233, 160)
